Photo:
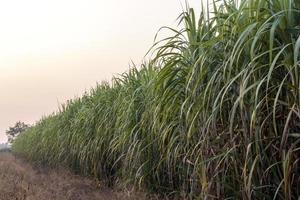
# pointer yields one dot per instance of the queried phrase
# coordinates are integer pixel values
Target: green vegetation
(15, 131)
(214, 114)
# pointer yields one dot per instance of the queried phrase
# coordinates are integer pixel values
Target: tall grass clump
(215, 113)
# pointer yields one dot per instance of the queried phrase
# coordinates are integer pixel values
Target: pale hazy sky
(53, 50)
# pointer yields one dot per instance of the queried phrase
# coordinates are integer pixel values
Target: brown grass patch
(22, 181)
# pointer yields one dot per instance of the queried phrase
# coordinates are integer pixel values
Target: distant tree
(16, 130)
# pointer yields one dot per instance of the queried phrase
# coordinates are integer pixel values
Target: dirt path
(21, 181)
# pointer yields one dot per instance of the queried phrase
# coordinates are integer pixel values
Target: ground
(19, 180)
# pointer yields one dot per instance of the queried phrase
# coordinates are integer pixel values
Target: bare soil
(19, 180)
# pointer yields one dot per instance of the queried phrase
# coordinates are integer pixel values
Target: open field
(20, 180)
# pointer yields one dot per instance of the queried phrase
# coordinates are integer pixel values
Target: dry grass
(22, 181)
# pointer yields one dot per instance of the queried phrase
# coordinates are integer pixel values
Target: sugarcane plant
(213, 114)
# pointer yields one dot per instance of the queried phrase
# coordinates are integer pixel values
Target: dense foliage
(214, 114)
(15, 131)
